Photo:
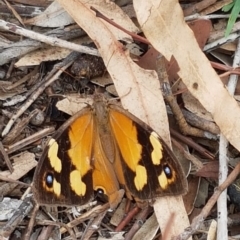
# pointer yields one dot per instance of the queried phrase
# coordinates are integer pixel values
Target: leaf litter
(197, 87)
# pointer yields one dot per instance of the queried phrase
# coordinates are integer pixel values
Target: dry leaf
(56, 16)
(150, 17)
(21, 165)
(172, 37)
(7, 208)
(119, 213)
(114, 236)
(116, 14)
(194, 106)
(209, 170)
(148, 229)
(139, 89)
(190, 198)
(202, 193)
(212, 232)
(53, 16)
(73, 103)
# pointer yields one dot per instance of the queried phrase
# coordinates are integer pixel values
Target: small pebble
(38, 119)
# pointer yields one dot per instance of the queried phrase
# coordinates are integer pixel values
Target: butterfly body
(105, 147)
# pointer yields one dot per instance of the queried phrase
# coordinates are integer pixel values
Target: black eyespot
(49, 180)
(100, 191)
(167, 170)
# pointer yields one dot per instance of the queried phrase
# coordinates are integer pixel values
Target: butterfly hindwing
(104, 177)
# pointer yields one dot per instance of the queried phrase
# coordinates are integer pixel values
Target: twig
(86, 216)
(133, 35)
(54, 74)
(220, 33)
(197, 221)
(207, 17)
(222, 232)
(185, 128)
(93, 225)
(139, 222)
(24, 79)
(202, 123)
(211, 46)
(22, 47)
(229, 69)
(17, 217)
(26, 141)
(192, 144)
(127, 219)
(53, 41)
(6, 158)
(10, 69)
(60, 224)
(18, 128)
(14, 12)
(197, 7)
(28, 231)
(216, 6)
(7, 179)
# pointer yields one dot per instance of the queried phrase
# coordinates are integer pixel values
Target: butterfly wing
(64, 172)
(149, 167)
(104, 177)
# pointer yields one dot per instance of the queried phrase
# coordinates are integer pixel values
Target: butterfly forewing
(150, 169)
(64, 173)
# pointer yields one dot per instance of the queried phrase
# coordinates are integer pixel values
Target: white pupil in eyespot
(100, 191)
(167, 171)
(49, 179)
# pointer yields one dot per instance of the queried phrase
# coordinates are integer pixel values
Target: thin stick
(6, 158)
(198, 220)
(222, 231)
(54, 74)
(133, 35)
(53, 41)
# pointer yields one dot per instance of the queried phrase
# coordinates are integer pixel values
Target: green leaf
(234, 14)
(227, 7)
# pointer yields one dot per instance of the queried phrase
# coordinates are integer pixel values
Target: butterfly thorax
(101, 118)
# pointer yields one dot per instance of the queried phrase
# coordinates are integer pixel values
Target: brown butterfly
(104, 147)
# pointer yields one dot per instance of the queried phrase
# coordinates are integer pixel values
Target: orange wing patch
(104, 177)
(125, 134)
(80, 152)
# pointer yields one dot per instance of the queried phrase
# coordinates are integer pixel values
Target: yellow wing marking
(81, 144)
(77, 184)
(163, 181)
(157, 149)
(57, 188)
(52, 156)
(141, 177)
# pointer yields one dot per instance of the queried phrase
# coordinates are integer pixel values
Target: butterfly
(105, 148)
